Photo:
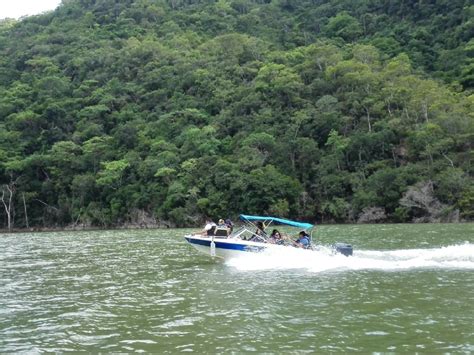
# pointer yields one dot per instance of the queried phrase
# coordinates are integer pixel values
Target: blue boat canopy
(277, 220)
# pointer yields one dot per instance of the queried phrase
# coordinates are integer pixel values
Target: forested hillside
(161, 112)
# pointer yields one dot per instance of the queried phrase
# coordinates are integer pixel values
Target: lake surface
(407, 288)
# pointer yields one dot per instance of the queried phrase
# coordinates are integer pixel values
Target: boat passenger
(222, 230)
(303, 241)
(260, 229)
(229, 225)
(259, 235)
(275, 237)
(209, 228)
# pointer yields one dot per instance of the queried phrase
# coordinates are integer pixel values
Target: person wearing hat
(222, 229)
(303, 241)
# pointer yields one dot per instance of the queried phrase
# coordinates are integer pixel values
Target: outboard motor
(343, 248)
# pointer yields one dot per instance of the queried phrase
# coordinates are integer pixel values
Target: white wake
(459, 256)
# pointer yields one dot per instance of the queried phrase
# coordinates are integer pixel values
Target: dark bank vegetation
(160, 112)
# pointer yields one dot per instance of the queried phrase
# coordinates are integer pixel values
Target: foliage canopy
(178, 109)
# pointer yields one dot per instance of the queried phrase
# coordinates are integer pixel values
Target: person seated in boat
(209, 228)
(222, 230)
(259, 235)
(260, 229)
(229, 225)
(275, 237)
(303, 241)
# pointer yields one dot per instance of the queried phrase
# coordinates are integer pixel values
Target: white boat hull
(231, 247)
(226, 247)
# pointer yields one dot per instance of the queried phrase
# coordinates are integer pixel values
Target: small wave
(449, 257)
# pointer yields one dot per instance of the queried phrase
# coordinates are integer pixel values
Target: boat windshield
(252, 227)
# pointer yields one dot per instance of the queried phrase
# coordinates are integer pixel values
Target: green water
(408, 288)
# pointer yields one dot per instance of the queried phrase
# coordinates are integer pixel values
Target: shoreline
(159, 227)
(80, 229)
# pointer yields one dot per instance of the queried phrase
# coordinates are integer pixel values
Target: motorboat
(224, 242)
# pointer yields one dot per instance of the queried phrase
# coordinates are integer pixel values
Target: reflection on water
(407, 288)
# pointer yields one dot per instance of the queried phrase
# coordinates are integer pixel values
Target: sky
(17, 8)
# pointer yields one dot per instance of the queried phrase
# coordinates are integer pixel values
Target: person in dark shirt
(275, 237)
(230, 225)
(259, 235)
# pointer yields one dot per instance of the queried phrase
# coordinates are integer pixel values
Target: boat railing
(246, 233)
(239, 232)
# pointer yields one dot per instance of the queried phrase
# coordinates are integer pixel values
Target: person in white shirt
(209, 228)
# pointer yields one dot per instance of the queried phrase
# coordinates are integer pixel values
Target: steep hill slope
(116, 112)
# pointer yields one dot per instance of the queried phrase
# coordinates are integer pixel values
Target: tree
(114, 112)
(112, 173)
(345, 26)
(8, 192)
(421, 197)
(337, 144)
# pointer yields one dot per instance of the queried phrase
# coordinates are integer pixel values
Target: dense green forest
(162, 112)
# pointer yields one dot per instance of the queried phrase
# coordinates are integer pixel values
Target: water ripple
(147, 291)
